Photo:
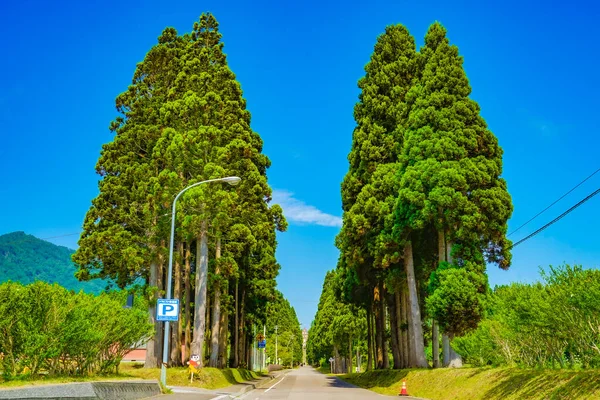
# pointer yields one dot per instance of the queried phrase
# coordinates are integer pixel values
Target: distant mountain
(25, 258)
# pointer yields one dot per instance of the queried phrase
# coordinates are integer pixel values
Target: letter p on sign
(167, 310)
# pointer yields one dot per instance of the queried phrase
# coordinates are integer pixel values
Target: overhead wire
(556, 219)
(556, 201)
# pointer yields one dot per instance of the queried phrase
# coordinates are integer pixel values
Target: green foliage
(422, 161)
(46, 327)
(289, 336)
(457, 304)
(26, 259)
(550, 324)
(336, 323)
(370, 186)
(184, 120)
(451, 163)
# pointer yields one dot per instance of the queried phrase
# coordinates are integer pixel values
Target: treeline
(338, 330)
(425, 207)
(47, 328)
(284, 334)
(183, 120)
(553, 323)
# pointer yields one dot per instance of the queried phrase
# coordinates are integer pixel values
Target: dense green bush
(554, 323)
(46, 327)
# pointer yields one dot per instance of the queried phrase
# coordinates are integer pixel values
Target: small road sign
(167, 310)
(331, 359)
(262, 344)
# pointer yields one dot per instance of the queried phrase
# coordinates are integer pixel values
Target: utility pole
(264, 348)
(276, 359)
(292, 366)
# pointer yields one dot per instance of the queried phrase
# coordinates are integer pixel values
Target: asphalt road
(306, 383)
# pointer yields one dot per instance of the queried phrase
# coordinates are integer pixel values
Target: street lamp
(232, 180)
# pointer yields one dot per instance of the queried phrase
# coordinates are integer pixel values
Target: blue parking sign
(167, 310)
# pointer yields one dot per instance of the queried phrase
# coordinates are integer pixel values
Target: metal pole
(264, 348)
(276, 359)
(165, 360)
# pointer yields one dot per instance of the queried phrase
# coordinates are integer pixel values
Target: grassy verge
(483, 383)
(208, 378)
(324, 369)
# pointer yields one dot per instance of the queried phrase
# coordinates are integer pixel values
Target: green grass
(208, 378)
(483, 383)
(324, 369)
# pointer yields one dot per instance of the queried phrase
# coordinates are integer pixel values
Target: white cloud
(298, 211)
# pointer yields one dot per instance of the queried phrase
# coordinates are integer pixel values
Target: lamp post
(232, 180)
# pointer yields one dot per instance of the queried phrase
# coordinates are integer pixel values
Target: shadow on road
(338, 383)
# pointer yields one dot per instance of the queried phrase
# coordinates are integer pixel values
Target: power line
(556, 219)
(59, 236)
(562, 197)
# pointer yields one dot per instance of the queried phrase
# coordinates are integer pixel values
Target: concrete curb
(249, 387)
(104, 390)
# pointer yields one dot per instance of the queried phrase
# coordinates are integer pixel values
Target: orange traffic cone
(403, 391)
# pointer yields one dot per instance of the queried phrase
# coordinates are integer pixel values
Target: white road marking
(275, 384)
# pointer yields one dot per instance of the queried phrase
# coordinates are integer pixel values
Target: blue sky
(532, 67)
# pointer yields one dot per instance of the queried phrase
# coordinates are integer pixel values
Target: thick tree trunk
(446, 350)
(242, 329)
(175, 358)
(373, 337)
(398, 317)
(413, 303)
(435, 343)
(216, 313)
(394, 334)
(406, 350)
(236, 329)
(350, 355)
(249, 351)
(410, 336)
(223, 331)
(369, 340)
(200, 298)
(207, 330)
(336, 360)
(378, 328)
(151, 360)
(232, 353)
(188, 314)
(383, 309)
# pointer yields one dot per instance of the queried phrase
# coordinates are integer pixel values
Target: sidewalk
(229, 392)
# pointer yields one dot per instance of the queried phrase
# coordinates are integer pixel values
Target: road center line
(275, 384)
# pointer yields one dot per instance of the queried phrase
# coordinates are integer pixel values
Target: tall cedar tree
(212, 127)
(371, 184)
(184, 120)
(450, 176)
